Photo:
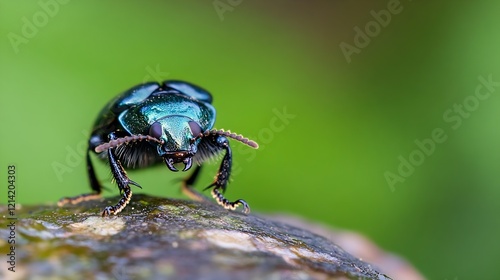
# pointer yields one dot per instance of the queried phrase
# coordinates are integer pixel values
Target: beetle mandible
(152, 123)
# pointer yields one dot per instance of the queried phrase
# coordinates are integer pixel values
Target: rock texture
(158, 238)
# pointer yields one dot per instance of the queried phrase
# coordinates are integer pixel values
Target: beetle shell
(135, 110)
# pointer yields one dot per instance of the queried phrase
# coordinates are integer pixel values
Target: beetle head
(176, 134)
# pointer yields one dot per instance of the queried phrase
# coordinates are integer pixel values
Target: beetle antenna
(125, 140)
(231, 135)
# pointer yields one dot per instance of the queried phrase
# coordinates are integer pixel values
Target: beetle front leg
(122, 181)
(222, 178)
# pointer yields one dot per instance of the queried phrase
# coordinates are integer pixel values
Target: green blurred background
(351, 120)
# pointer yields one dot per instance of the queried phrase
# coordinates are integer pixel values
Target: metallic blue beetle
(151, 123)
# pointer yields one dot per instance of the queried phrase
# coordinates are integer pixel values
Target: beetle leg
(219, 197)
(222, 178)
(122, 181)
(187, 186)
(94, 184)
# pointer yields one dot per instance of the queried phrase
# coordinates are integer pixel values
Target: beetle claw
(188, 163)
(170, 164)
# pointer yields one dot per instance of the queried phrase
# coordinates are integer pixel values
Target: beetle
(152, 123)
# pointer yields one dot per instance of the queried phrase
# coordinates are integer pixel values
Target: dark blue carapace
(151, 123)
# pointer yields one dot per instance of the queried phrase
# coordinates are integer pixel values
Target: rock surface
(157, 238)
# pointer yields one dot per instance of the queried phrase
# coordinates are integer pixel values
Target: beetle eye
(195, 128)
(155, 130)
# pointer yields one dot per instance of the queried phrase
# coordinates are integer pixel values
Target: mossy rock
(158, 238)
